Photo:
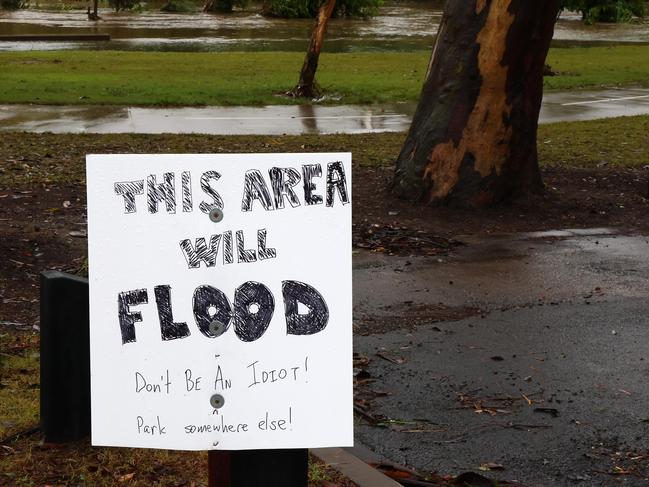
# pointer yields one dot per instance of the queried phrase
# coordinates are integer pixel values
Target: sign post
(220, 301)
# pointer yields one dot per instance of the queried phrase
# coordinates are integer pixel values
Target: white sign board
(231, 334)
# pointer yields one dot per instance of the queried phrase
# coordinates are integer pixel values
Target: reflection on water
(271, 120)
(291, 119)
(404, 26)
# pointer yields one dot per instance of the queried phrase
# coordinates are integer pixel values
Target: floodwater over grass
(403, 26)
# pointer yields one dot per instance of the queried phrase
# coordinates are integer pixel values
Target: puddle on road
(509, 270)
(405, 26)
(271, 120)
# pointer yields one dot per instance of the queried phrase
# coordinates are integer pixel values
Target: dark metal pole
(218, 468)
(258, 468)
(65, 357)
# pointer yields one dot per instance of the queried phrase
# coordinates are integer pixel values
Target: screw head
(217, 401)
(217, 328)
(216, 215)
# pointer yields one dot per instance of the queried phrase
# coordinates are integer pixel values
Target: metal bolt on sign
(216, 215)
(217, 328)
(217, 401)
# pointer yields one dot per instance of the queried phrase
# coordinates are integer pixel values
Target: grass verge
(256, 78)
(35, 159)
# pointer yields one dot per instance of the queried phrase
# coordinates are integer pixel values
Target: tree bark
(94, 15)
(306, 86)
(472, 142)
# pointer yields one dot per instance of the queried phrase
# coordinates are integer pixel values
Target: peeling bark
(472, 141)
(306, 86)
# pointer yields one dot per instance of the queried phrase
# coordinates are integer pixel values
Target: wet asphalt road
(291, 119)
(550, 380)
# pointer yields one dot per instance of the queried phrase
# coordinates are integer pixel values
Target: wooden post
(65, 357)
(258, 468)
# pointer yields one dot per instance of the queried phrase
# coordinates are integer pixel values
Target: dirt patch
(574, 198)
(42, 229)
(43, 225)
(408, 316)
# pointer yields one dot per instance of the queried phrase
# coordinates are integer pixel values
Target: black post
(258, 468)
(65, 357)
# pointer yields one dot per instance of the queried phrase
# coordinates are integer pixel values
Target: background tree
(223, 5)
(123, 4)
(472, 141)
(306, 86)
(606, 10)
(94, 13)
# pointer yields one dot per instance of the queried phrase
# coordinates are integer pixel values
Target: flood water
(403, 26)
(291, 119)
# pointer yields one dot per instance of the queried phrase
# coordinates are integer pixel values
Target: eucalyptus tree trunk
(306, 86)
(472, 142)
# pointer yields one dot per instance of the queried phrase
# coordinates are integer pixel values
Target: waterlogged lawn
(39, 159)
(260, 78)
(157, 78)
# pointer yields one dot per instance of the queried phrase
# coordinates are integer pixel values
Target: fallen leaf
(126, 477)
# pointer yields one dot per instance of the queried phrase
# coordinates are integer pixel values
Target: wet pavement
(398, 27)
(291, 119)
(548, 380)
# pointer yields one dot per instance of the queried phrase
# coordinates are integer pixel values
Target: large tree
(472, 141)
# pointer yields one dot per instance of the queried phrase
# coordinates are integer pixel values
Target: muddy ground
(43, 228)
(43, 225)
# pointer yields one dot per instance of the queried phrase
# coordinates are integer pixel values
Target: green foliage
(253, 78)
(12, 4)
(303, 9)
(124, 4)
(177, 6)
(606, 10)
(225, 5)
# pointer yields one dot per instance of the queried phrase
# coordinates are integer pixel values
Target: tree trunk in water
(306, 86)
(472, 142)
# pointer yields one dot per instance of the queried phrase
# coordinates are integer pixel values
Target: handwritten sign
(220, 300)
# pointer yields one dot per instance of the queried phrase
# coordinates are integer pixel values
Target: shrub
(177, 6)
(12, 4)
(124, 4)
(606, 10)
(309, 8)
(224, 5)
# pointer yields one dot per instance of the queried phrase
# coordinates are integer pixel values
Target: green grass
(256, 78)
(36, 159)
(19, 392)
(613, 142)
(156, 78)
(587, 67)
